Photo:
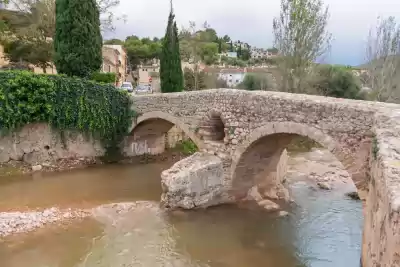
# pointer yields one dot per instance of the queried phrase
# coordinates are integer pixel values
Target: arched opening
(212, 128)
(261, 161)
(154, 132)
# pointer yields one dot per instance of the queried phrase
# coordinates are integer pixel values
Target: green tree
(208, 53)
(226, 39)
(171, 74)
(301, 37)
(114, 42)
(78, 41)
(255, 82)
(245, 54)
(34, 51)
(141, 50)
(194, 81)
(336, 81)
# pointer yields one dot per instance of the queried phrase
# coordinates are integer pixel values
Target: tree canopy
(77, 42)
(171, 74)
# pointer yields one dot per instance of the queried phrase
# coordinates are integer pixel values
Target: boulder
(324, 185)
(194, 182)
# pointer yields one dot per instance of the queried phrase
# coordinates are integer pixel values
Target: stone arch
(279, 135)
(162, 122)
(212, 127)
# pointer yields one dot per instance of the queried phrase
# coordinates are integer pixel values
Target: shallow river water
(323, 229)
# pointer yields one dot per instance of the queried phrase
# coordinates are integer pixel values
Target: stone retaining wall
(38, 143)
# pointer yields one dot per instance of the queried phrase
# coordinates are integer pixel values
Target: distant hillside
(375, 62)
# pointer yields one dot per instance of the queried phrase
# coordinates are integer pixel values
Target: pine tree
(171, 73)
(77, 41)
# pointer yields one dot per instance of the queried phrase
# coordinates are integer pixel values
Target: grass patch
(187, 147)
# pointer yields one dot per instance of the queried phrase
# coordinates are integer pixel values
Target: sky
(251, 21)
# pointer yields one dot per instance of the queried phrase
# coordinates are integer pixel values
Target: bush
(192, 82)
(104, 77)
(337, 81)
(67, 104)
(187, 147)
(253, 82)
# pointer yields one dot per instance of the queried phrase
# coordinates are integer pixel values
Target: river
(323, 229)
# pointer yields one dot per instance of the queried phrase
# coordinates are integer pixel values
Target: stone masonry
(364, 136)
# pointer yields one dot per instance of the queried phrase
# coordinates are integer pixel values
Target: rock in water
(194, 182)
(324, 185)
(269, 205)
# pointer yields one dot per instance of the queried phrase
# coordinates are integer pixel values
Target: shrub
(103, 77)
(192, 82)
(253, 82)
(187, 147)
(337, 81)
(67, 104)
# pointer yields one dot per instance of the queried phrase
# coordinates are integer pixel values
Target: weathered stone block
(195, 182)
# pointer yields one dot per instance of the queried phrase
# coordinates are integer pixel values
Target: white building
(233, 77)
(229, 54)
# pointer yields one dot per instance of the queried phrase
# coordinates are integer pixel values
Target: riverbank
(20, 168)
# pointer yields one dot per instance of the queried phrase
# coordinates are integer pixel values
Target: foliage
(103, 77)
(383, 56)
(273, 50)
(375, 147)
(25, 39)
(45, 9)
(245, 55)
(78, 41)
(31, 50)
(141, 50)
(212, 81)
(114, 42)
(201, 44)
(187, 147)
(336, 81)
(67, 104)
(233, 61)
(254, 81)
(171, 74)
(301, 37)
(194, 80)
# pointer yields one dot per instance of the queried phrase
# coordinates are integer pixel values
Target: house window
(237, 80)
(142, 69)
(146, 69)
(109, 68)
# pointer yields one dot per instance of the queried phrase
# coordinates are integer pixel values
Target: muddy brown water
(323, 229)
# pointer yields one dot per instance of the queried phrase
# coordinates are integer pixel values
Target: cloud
(251, 20)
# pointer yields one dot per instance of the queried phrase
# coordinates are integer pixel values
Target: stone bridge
(249, 131)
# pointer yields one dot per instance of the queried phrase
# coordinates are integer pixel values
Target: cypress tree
(77, 41)
(171, 73)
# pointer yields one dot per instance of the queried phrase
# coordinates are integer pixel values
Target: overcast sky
(251, 21)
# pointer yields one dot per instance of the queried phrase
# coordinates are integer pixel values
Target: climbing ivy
(68, 104)
(375, 147)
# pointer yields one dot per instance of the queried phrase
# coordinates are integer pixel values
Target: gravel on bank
(22, 222)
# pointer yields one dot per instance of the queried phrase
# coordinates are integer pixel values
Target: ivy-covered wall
(98, 111)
